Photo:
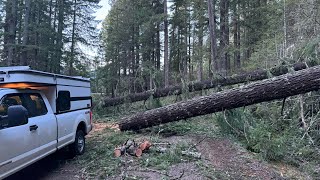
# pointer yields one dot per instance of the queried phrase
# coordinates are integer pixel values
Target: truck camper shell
(41, 113)
(65, 93)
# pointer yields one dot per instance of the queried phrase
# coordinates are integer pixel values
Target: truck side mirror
(17, 115)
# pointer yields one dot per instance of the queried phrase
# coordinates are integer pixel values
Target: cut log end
(148, 145)
(143, 146)
(138, 152)
(117, 152)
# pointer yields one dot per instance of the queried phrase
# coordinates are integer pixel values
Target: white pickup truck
(41, 113)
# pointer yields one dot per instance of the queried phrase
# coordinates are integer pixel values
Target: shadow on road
(49, 168)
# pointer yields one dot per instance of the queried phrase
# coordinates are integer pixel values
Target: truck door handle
(33, 128)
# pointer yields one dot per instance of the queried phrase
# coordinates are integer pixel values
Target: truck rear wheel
(78, 147)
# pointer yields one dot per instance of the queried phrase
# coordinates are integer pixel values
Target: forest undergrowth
(283, 136)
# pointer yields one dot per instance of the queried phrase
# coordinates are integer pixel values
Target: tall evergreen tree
(39, 34)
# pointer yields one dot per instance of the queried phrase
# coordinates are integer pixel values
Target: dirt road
(54, 167)
(221, 155)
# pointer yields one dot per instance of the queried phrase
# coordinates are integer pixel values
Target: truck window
(63, 101)
(6, 102)
(35, 105)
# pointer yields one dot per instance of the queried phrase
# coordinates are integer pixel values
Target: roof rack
(15, 68)
(24, 74)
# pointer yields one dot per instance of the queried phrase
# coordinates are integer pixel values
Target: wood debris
(132, 148)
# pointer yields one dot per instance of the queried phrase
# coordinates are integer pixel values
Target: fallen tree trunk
(207, 84)
(276, 88)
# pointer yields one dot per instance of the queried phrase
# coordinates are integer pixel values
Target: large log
(270, 89)
(207, 84)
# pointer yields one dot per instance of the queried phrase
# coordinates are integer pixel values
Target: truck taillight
(90, 117)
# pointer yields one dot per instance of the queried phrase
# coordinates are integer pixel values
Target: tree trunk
(223, 37)
(73, 40)
(166, 45)
(36, 38)
(59, 41)
(185, 57)
(158, 49)
(200, 51)
(227, 37)
(197, 86)
(185, 47)
(236, 37)
(51, 63)
(213, 63)
(137, 56)
(271, 89)
(19, 33)
(132, 72)
(190, 68)
(11, 22)
(46, 57)
(23, 57)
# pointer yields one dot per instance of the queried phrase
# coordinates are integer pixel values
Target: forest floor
(221, 157)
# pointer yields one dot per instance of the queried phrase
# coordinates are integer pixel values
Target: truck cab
(38, 118)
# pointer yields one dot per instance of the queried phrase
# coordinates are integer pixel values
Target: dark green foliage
(260, 135)
(276, 138)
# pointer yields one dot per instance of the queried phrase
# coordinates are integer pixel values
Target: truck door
(17, 143)
(44, 121)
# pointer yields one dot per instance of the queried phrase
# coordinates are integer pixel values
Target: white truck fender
(80, 119)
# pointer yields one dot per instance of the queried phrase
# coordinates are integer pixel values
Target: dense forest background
(48, 35)
(146, 44)
(152, 44)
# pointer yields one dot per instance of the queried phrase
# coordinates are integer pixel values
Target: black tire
(78, 147)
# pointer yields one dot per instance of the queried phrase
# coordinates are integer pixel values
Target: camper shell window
(63, 101)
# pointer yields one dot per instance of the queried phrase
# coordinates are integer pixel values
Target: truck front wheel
(78, 147)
